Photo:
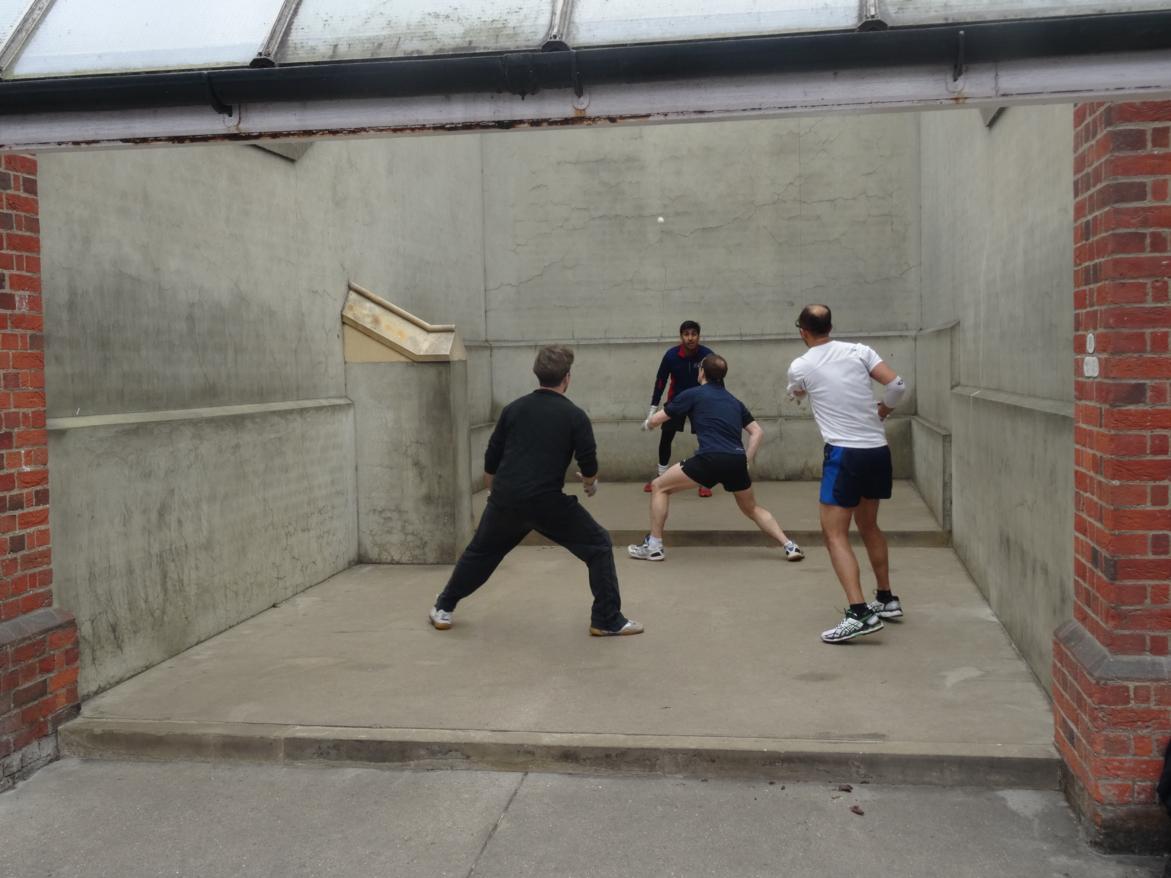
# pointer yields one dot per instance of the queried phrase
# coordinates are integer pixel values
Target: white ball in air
(662, 220)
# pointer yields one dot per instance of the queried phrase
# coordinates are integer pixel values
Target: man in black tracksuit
(524, 467)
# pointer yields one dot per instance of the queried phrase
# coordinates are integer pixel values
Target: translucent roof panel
(93, 36)
(11, 12)
(613, 22)
(910, 12)
(338, 30)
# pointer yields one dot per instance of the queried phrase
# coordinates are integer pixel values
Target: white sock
(654, 542)
(663, 467)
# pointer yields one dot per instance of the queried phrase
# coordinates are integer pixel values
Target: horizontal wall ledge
(82, 422)
(929, 425)
(759, 419)
(943, 327)
(1016, 400)
(707, 339)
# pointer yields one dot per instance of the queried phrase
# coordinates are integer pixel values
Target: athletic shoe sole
(796, 556)
(861, 633)
(436, 624)
(630, 628)
(662, 557)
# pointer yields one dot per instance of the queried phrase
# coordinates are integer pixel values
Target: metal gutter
(526, 73)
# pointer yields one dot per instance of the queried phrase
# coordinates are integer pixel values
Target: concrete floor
(730, 677)
(77, 819)
(624, 509)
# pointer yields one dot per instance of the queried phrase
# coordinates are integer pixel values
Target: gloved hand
(646, 425)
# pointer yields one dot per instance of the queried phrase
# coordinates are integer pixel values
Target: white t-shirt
(836, 375)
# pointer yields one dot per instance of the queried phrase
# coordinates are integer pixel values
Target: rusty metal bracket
(214, 99)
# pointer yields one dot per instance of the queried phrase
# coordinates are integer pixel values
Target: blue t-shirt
(717, 417)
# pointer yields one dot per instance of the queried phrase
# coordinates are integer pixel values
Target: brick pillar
(38, 643)
(1111, 671)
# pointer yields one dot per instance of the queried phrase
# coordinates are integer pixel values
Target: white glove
(646, 425)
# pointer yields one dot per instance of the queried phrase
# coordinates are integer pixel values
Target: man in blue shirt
(718, 418)
(678, 371)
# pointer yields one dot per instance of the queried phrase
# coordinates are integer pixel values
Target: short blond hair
(552, 364)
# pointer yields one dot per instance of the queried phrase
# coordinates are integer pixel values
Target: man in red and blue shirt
(678, 371)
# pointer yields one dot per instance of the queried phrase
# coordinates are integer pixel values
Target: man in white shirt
(856, 475)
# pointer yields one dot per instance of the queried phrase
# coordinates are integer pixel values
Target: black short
(729, 470)
(850, 474)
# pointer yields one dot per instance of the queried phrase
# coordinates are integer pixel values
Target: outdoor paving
(729, 678)
(76, 819)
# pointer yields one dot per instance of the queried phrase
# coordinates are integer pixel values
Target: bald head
(816, 320)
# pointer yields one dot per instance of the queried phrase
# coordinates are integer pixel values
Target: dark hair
(816, 320)
(688, 324)
(714, 368)
(552, 364)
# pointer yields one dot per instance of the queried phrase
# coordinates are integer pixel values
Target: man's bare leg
(835, 527)
(670, 482)
(746, 500)
(866, 517)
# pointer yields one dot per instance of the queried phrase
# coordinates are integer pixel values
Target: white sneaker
(892, 609)
(850, 627)
(631, 627)
(793, 552)
(645, 552)
(441, 619)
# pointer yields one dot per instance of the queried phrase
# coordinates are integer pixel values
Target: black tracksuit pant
(558, 517)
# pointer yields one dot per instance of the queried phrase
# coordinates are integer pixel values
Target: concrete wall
(759, 218)
(997, 257)
(414, 506)
(197, 280)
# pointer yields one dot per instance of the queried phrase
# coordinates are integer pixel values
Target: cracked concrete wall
(197, 279)
(998, 258)
(759, 218)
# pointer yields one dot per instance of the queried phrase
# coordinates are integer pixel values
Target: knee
(749, 510)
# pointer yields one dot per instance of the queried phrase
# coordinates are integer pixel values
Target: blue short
(850, 475)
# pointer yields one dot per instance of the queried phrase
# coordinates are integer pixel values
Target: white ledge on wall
(1058, 407)
(116, 419)
(399, 330)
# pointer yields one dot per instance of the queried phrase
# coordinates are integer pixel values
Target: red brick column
(38, 643)
(1111, 670)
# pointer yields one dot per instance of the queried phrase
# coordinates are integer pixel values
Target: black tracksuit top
(535, 438)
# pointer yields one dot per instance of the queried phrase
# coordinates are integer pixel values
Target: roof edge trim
(525, 73)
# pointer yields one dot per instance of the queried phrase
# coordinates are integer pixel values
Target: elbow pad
(894, 392)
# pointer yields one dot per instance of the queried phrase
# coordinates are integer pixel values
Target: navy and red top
(682, 370)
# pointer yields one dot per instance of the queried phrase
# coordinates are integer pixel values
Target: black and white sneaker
(852, 626)
(626, 629)
(891, 609)
(646, 552)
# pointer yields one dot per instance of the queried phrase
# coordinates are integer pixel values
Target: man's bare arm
(656, 420)
(755, 438)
